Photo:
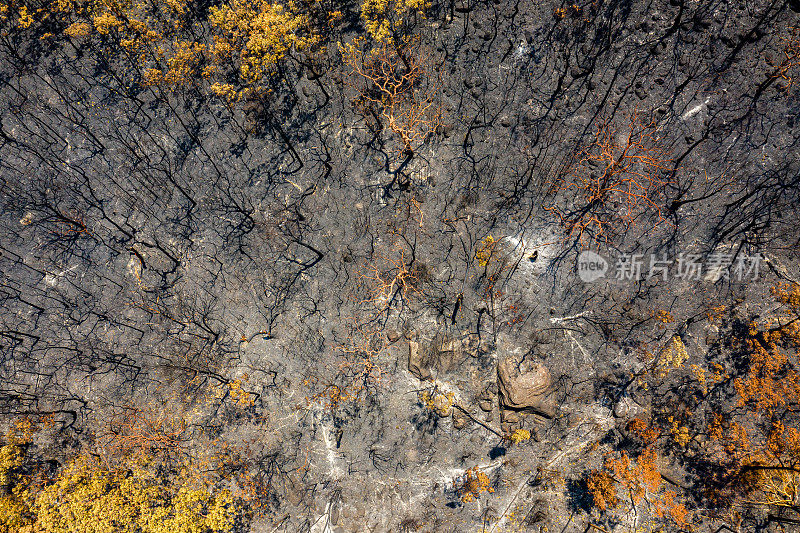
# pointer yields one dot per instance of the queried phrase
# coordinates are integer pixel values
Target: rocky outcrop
(417, 363)
(441, 355)
(525, 387)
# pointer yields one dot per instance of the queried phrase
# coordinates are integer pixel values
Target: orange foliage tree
(388, 279)
(358, 373)
(618, 178)
(474, 483)
(394, 85)
(636, 480)
(736, 433)
(756, 445)
(789, 59)
(134, 429)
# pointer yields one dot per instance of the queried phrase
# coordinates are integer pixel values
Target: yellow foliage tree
(92, 497)
(387, 21)
(253, 35)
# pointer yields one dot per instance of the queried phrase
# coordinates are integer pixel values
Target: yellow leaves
(175, 7)
(668, 507)
(10, 458)
(664, 316)
(674, 355)
(91, 498)
(679, 432)
(25, 18)
(715, 314)
(256, 34)
(241, 397)
(78, 29)
(437, 402)
(182, 63)
(335, 16)
(520, 435)
(14, 506)
(152, 76)
(249, 36)
(105, 22)
(226, 91)
(788, 295)
(485, 250)
(14, 514)
(474, 484)
(387, 19)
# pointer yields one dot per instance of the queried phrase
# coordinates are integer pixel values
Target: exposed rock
(448, 354)
(443, 405)
(442, 355)
(459, 420)
(334, 514)
(510, 427)
(626, 408)
(510, 417)
(416, 365)
(486, 405)
(393, 335)
(525, 387)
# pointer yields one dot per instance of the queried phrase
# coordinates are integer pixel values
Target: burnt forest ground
(282, 282)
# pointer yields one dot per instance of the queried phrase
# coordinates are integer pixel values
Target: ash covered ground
(365, 286)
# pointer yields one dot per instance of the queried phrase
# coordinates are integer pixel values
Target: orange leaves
(388, 279)
(640, 480)
(755, 452)
(671, 509)
(134, 429)
(636, 479)
(394, 83)
(772, 379)
(647, 433)
(614, 181)
(358, 373)
(788, 295)
(663, 316)
(603, 490)
(789, 59)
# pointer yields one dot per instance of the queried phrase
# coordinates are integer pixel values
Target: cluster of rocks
(522, 386)
(427, 361)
